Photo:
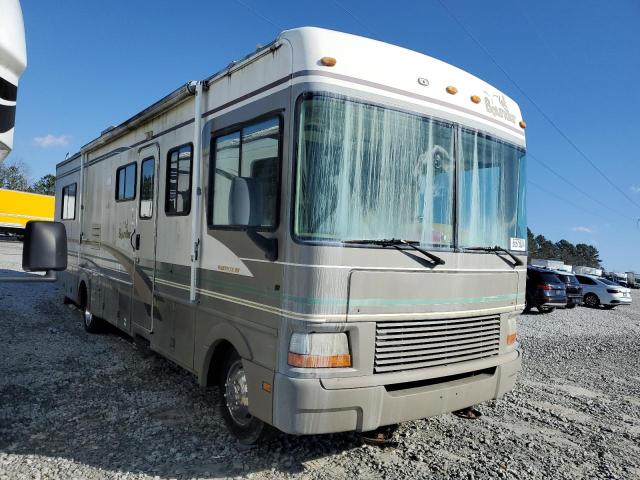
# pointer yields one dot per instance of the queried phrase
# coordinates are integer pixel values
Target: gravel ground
(74, 405)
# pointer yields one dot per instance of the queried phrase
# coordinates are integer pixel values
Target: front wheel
(234, 403)
(591, 300)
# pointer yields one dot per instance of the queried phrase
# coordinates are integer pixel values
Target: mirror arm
(50, 276)
(268, 245)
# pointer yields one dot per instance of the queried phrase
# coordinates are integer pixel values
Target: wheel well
(221, 350)
(82, 295)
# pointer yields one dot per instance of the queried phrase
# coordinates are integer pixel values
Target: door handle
(137, 241)
(131, 240)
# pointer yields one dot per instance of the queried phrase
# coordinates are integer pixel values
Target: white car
(600, 291)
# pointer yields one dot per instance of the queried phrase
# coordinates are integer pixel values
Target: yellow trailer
(17, 208)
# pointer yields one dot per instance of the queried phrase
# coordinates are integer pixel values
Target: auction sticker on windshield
(518, 244)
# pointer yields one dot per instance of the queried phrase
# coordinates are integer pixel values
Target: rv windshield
(492, 196)
(369, 172)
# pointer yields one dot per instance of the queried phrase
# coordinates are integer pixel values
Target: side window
(253, 154)
(68, 211)
(126, 182)
(178, 190)
(147, 178)
(585, 280)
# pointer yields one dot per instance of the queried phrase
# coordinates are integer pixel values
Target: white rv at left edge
(13, 61)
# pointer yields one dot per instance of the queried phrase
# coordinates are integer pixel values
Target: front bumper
(620, 301)
(574, 300)
(304, 406)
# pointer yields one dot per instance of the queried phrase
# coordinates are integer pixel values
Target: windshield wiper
(395, 242)
(496, 249)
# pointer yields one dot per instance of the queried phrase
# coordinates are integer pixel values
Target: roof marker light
(523, 124)
(328, 61)
(452, 90)
(475, 98)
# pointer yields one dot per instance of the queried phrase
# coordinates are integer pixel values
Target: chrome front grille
(407, 345)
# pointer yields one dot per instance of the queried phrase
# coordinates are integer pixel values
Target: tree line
(580, 254)
(14, 175)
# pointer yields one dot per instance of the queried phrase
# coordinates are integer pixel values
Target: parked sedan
(574, 289)
(600, 291)
(545, 291)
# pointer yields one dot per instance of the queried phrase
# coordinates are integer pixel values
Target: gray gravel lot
(74, 405)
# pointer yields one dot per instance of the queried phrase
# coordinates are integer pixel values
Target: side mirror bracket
(268, 245)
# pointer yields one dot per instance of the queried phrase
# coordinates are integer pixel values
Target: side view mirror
(244, 202)
(245, 208)
(45, 247)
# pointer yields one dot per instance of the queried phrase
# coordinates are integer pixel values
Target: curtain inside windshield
(492, 196)
(367, 172)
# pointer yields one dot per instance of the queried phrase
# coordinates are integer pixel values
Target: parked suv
(600, 291)
(545, 291)
(573, 287)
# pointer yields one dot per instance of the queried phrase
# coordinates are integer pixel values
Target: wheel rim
(590, 300)
(236, 394)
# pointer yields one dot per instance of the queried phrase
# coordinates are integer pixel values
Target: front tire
(591, 300)
(234, 403)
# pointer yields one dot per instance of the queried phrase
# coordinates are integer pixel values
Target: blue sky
(94, 64)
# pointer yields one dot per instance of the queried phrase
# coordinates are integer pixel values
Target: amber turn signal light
(318, 361)
(511, 338)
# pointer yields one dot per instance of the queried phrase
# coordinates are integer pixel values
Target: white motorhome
(332, 229)
(582, 270)
(551, 264)
(13, 61)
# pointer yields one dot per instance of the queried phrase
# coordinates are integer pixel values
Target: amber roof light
(452, 90)
(475, 98)
(328, 61)
(523, 124)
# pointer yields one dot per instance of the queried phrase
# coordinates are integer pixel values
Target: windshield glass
(492, 196)
(367, 172)
(370, 172)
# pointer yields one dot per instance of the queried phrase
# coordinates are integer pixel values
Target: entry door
(144, 240)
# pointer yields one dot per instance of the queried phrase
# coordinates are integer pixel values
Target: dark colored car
(545, 291)
(573, 287)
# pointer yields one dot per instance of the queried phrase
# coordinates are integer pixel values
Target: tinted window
(68, 211)
(178, 193)
(585, 280)
(126, 182)
(252, 153)
(573, 280)
(147, 176)
(548, 277)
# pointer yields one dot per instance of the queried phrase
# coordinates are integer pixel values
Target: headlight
(319, 350)
(512, 331)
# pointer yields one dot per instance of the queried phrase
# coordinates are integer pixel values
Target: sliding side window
(126, 182)
(247, 158)
(68, 211)
(178, 191)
